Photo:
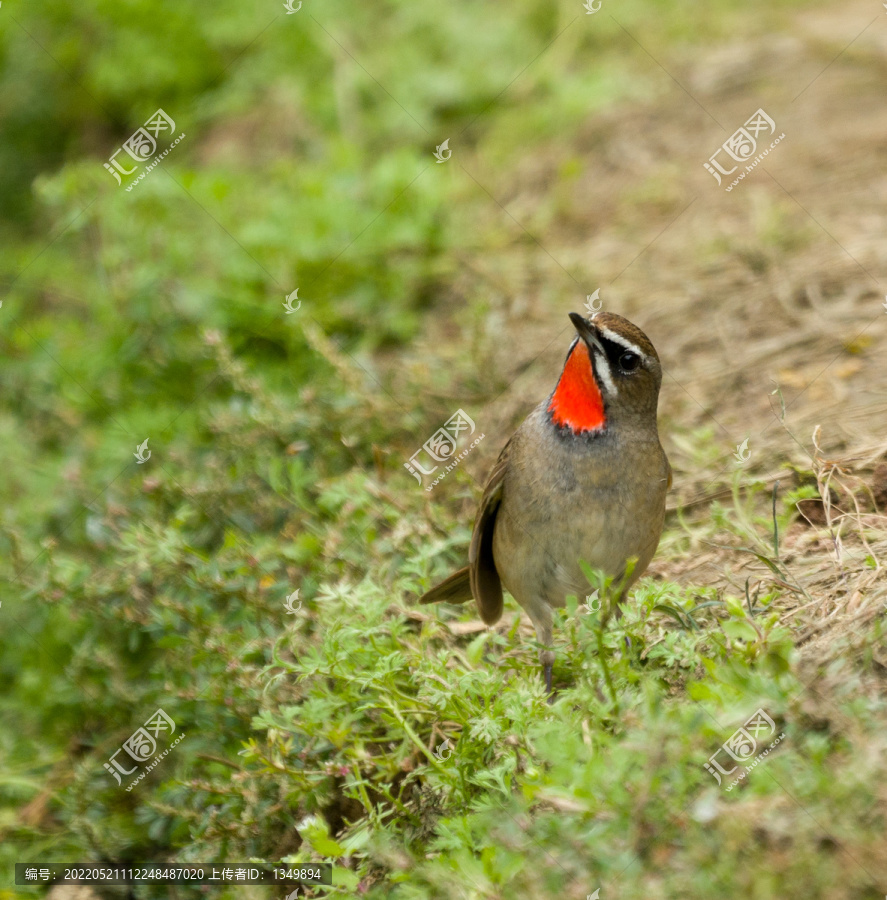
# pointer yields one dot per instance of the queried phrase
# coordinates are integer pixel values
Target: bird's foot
(548, 668)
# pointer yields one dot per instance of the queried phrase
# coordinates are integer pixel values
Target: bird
(584, 477)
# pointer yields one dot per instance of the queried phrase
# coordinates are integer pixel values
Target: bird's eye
(629, 361)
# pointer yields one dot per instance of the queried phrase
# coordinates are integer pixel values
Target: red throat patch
(577, 401)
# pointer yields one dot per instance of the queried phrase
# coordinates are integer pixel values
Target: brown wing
(485, 582)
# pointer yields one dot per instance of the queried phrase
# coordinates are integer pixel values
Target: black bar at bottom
(152, 873)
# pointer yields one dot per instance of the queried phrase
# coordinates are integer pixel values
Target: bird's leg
(547, 668)
(618, 611)
(543, 623)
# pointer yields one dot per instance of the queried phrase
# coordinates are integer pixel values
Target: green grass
(278, 445)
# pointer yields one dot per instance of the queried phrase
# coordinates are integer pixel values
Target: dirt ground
(770, 294)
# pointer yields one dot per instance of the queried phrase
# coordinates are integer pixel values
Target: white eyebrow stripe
(618, 339)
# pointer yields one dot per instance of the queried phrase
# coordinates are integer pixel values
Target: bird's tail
(456, 589)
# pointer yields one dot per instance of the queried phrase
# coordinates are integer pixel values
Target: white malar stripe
(603, 368)
(618, 339)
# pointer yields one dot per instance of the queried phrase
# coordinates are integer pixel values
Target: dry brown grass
(764, 303)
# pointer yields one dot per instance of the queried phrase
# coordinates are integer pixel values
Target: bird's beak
(588, 333)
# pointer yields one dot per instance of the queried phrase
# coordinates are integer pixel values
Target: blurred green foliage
(277, 445)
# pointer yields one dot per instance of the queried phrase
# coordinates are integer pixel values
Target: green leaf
(737, 629)
(671, 611)
(475, 650)
(315, 830)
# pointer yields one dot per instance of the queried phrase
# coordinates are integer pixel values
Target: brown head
(612, 374)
